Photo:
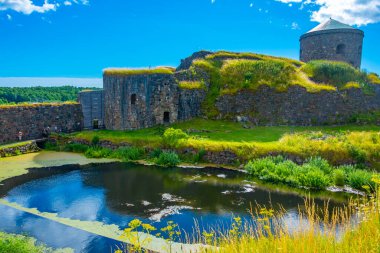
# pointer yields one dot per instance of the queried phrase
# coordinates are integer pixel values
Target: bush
(320, 163)
(76, 148)
(313, 174)
(173, 136)
(334, 73)
(339, 177)
(168, 159)
(95, 140)
(359, 178)
(199, 156)
(98, 152)
(155, 153)
(128, 153)
(51, 146)
(10, 243)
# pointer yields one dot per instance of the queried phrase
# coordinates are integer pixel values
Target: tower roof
(330, 24)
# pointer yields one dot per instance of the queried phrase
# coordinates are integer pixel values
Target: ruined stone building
(141, 98)
(333, 41)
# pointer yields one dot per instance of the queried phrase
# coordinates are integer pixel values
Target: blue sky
(79, 38)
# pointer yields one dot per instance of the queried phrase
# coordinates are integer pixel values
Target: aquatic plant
(168, 159)
(316, 173)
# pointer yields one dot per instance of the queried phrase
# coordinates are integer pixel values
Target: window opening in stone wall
(360, 49)
(95, 124)
(133, 99)
(166, 117)
(340, 49)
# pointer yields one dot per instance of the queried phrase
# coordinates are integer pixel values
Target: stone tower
(333, 40)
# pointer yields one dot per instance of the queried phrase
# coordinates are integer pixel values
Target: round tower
(333, 40)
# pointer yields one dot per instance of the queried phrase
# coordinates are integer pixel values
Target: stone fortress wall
(297, 107)
(93, 109)
(31, 120)
(139, 101)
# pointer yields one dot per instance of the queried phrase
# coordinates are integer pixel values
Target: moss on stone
(37, 104)
(142, 71)
(192, 85)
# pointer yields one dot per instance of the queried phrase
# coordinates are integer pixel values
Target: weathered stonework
(32, 120)
(140, 101)
(93, 109)
(336, 45)
(298, 107)
(26, 148)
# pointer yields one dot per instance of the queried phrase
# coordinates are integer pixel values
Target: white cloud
(295, 26)
(27, 6)
(9, 17)
(353, 12)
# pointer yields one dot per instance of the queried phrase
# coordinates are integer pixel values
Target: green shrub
(334, 73)
(313, 177)
(95, 140)
(199, 156)
(168, 159)
(339, 177)
(10, 243)
(357, 154)
(155, 153)
(320, 163)
(51, 146)
(313, 174)
(76, 148)
(98, 152)
(173, 136)
(358, 178)
(128, 153)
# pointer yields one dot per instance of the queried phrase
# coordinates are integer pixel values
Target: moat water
(116, 193)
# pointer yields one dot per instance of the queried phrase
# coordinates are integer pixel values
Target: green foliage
(339, 177)
(358, 178)
(95, 140)
(315, 173)
(10, 243)
(39, 94)
(76, 148)
(248, 74)
(192, 85)
(168, 159)
(334, 73)
(128, 153)
(172, 136)
(155, 153)
(51, 146)
(366, 118)
(98, 152)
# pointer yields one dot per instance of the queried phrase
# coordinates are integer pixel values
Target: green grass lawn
(217, 130)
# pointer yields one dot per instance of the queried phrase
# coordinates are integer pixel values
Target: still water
(116, 193)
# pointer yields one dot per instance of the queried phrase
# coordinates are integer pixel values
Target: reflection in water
(117, 193)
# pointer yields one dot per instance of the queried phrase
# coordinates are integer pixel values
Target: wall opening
(341, 49)
(133, 99)
(166, 117)
(95, 124)
(360, 49)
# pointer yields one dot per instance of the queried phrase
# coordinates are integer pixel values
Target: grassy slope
(343, 144)
(217, 130)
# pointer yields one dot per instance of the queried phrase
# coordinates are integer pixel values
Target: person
(19, 135)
